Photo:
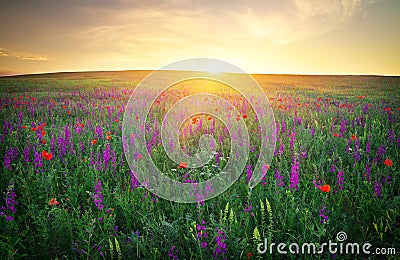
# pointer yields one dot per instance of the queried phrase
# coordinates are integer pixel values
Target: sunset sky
(264, 36)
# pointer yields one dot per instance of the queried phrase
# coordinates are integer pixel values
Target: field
(67, 191)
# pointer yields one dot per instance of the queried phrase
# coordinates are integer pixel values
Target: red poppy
(108, 133)
(68, 112)
(209, 118)
(194, 120)
(108, 137)
(325, 188)
(244, 116)
(249, 255)
(388, 162)
(34, 129)
(238, 118)
(335, 134)
(47, 156)
(94, 141)
(388, 109)
(43, 133)
(182, 165)
(53, 202)
(353, 137)
(43, 141)
(24, 126)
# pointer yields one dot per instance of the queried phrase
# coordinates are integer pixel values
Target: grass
(100, 210)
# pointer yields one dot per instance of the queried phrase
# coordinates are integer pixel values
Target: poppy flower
(325, 188)
(94, 141)
(43, 141)
(43, 133)
(353, 137)
(194, 120)
(47, 156)
(108, 133)
(24, 126)
(53, 202)
(388, 162)
(182, 165)
(335, 134)
(244, 116)
(108, 137)
(33, 129)
(209, 118)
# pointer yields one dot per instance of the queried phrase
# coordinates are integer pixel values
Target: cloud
(20, 55)
(300, 18)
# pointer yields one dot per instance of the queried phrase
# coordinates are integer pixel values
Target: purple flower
(378, 190)
(172, 252)
(11, 202)
(294, 174)
(221, 245)
(247, 208)
(97, 196)
(249, 173)
(106, 155)
(279, 178)
(323, 214)
(134, 182)
(340, 180)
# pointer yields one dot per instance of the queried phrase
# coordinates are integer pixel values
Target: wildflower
(53, 202)
(47, 156)
(94, 141)
(244, 116)
(377, 189)
(43, 141)
(325, 188)
(203, 244)
(182, 165)
(97, 196)
(340, 180)
(388, 162)
(108, 137)
(294, 174)
(221, 245)
(335, 134)
(322, 214)
(194, 120)
(172, 252)
(24, 126)
(279, 178)
(353, 137)
(249, 173)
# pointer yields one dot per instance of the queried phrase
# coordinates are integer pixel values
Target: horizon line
(152, 70)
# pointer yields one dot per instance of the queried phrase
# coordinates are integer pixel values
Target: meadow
(67, 191)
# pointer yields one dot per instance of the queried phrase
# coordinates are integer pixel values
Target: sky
(258, 36)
